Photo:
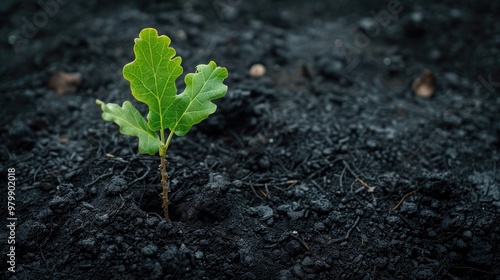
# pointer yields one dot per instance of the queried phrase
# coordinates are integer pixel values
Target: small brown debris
(370, 189)
(424, 85)
(257, 70)
(63, 139)
(305, 71)
(182, 34)
(65, 83)
(404, 197)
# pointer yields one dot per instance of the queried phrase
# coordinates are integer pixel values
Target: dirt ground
(368, 149)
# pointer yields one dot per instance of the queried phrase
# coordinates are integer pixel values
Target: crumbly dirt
(327, 166)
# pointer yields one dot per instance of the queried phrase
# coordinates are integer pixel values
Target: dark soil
(327, 167)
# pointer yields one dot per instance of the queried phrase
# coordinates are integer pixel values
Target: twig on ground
(99, 178)
(294, 236)
(337, 240)
(340, 179)
(140, 178)
(318, 186)
(404, 197)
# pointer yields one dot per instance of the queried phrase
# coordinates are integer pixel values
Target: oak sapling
(152, 77)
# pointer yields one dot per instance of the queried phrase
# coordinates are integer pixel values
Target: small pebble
(297, 270)
(424, 85)
(257, 70)
(65, 83)
(149, 250)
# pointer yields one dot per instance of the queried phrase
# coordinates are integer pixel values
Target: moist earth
(333, 164)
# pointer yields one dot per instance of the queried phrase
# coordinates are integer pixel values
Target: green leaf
(194, 104)
(132, 123)
(152, 75)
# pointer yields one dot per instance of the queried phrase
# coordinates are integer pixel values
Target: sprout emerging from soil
(152, 77)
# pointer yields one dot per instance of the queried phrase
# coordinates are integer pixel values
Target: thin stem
(168, 140)
(163, 171)
(162, 136)
(164, 180)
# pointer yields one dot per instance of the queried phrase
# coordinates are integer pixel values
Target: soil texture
(356, 141)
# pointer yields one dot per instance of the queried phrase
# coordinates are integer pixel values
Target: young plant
(152, 77)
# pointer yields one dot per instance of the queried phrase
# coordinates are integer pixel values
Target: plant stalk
(164, 181)
(163, 170)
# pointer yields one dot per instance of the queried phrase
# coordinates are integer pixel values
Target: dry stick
(127, 167)
(340, 178)
(99, 178)
(341, 239)
(472, 268)
(404, 197)
(370, 189)
(352, 172)
(300, 241)
(140, 178)
(318, 186)
(493, 181)
(287, 182)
